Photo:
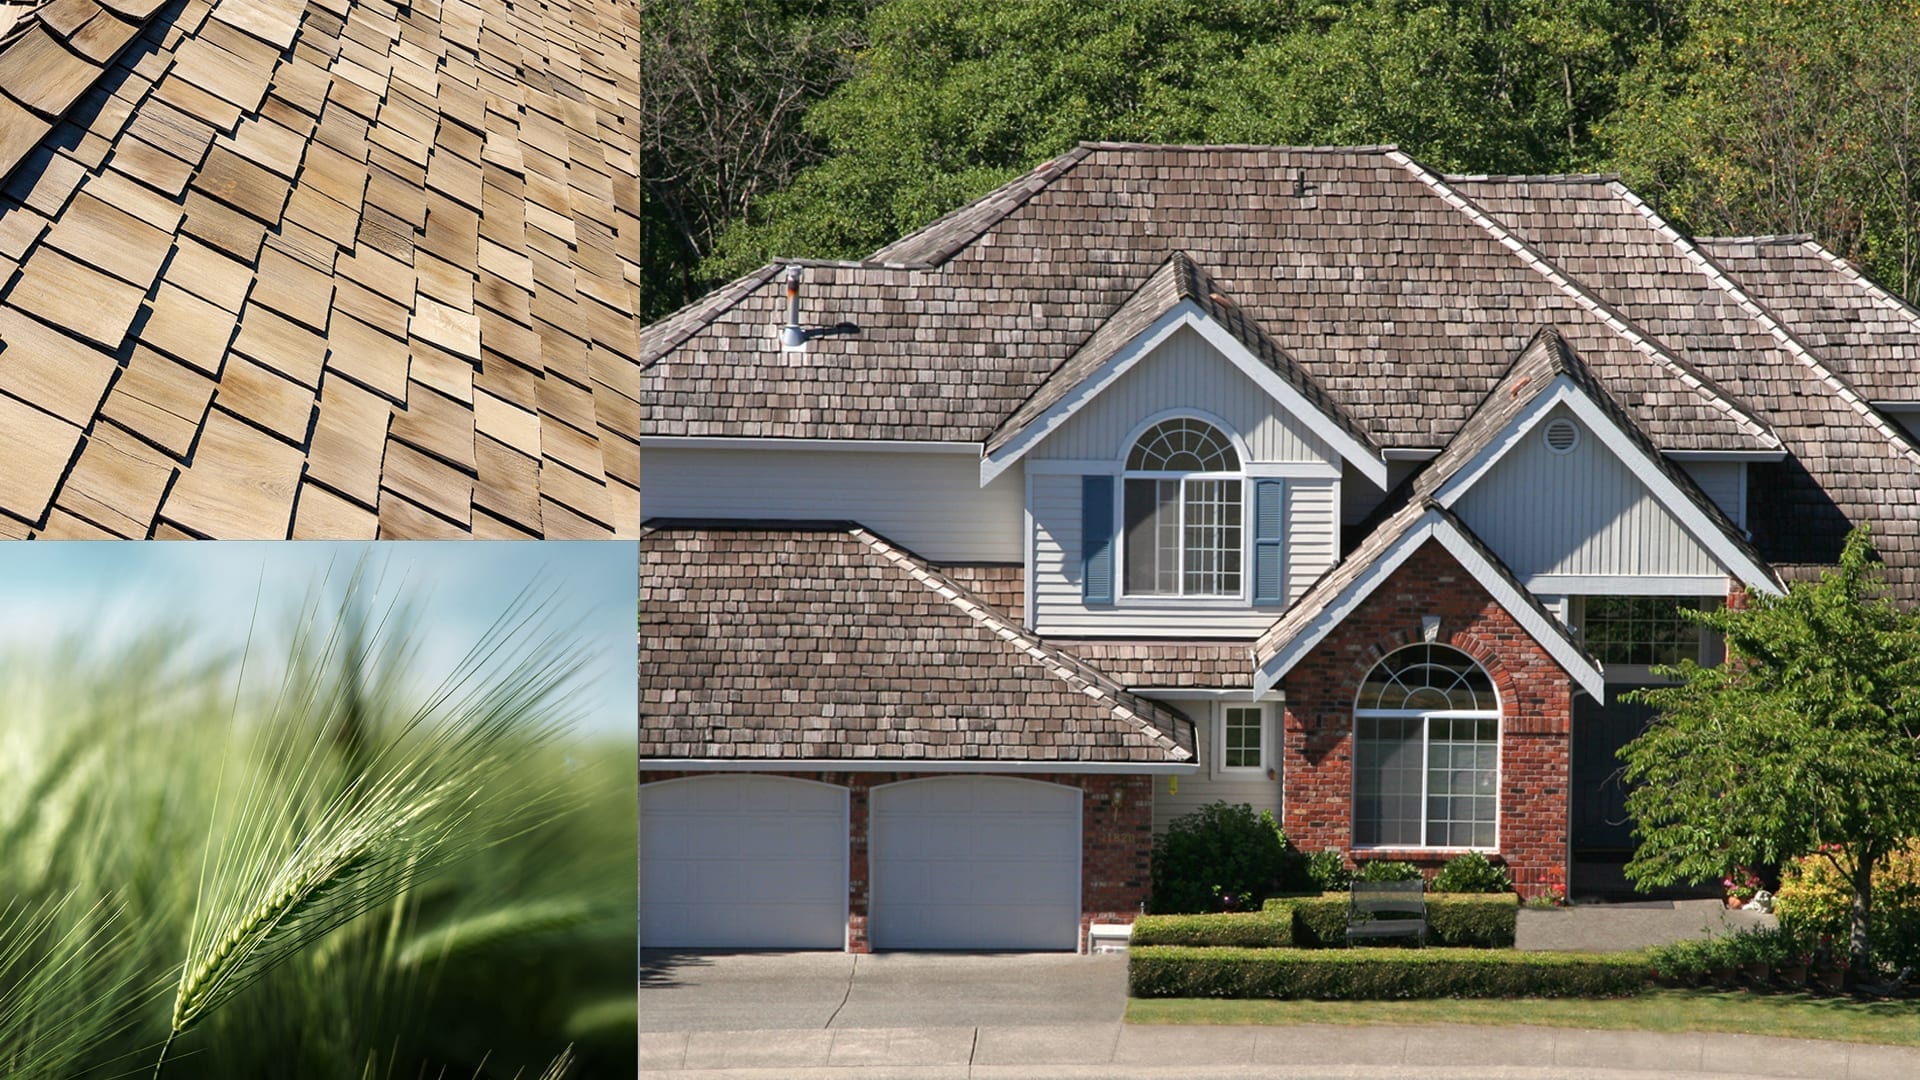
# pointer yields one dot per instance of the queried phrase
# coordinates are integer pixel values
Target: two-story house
(1301, 478)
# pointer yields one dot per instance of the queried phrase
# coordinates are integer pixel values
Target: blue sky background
(111, 591)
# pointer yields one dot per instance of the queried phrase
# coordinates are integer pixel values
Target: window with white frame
(1426, 769)
(1182, 511)
(1241, 743)
(1640, 630)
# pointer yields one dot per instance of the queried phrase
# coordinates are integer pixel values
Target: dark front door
(1601, 826)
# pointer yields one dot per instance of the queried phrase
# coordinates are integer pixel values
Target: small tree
(1804, 742)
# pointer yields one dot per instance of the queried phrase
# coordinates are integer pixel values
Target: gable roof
(1548, 372)
(1340, 590)
(824, 641)
(1179, 294)
(320, 268)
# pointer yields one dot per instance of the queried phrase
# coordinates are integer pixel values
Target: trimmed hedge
(1380, 974)
(1464, 920)
(1270, 927)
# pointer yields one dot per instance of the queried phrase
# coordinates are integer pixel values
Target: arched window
(1183, 512)
(1426, 763)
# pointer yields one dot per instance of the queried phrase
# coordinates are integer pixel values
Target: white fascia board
(1691, 517)
(1143, 343)
(867, 446)
(1540, 625)
(1187, 314)
(1625, 585)
(1297, 470)
(912, 765)
(1198, 693)
(1270, 673)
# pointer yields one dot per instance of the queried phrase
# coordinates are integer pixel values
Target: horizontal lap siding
(1185, 371)
(1198, 791)
(931, 504)
(1578, 513)
(1312, 541)
(1722, 482)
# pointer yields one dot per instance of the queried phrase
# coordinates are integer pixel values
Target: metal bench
(1402, 903)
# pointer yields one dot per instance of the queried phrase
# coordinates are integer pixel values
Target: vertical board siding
(1058, 607)
(1198, 790)
(1721, 480)
(1313, 540)
(1186, 370)
(1578, 513)
(931, 504)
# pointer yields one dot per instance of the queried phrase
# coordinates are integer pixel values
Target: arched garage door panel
(975, 863)
(743, 862)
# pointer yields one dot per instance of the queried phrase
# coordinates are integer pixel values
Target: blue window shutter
(1269, 555)
(1096, 539)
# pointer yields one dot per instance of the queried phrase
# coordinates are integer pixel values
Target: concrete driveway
(712, 991)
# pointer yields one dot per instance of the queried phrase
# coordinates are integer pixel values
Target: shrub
(1387, 870)
(1690, 961)
(1380, 974)
(1271, 927)
(1815, 899)
(1216, 851)
(1326, 871)
(1465, 920)
(1472, 873)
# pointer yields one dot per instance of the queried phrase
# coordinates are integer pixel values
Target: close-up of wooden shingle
(319, 268)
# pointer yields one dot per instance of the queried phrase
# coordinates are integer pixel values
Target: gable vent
(1562, 436)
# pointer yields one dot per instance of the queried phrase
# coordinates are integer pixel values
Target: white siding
(1184, 371)
(1313, 540)
(1579, 513)
(1725, 482)
(932, 504)
(1310, 548)
(1196, 791)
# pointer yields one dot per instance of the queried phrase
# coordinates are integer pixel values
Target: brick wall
(1116, 839)
(1535, 722)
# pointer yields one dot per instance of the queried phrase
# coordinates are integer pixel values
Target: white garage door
(975, 863)
(754, 862)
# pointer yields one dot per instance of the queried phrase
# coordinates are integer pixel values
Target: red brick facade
(1536, 698)
(1116, 839)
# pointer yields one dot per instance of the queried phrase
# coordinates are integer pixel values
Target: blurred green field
(312, 874)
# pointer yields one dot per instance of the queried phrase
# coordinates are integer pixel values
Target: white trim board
(1186, 314)
(1698, 524)
(1626, 585)
(1538, 625)
(911, 765)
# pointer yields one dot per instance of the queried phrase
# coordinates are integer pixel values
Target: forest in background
(827, 128)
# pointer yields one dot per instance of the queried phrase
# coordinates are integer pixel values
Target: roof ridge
(1239, 147)
(1011, 196)
(1890, 300)
(697, 314)
(1531, 178)
(1763, 238)
(1063, 665)
(1759, 313)
(1586, 298)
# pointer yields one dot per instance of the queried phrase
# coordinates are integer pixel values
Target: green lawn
(1790, 1015)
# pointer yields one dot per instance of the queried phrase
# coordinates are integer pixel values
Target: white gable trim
(858, 446)
(898, 764)
(1186, 314)
(1696, 521)
(1538, 625)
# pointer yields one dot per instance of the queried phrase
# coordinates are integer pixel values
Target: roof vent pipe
(792, 336)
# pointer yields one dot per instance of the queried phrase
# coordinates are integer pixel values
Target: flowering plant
(1741, 884)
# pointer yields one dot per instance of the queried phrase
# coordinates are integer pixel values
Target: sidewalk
(1114, 1051)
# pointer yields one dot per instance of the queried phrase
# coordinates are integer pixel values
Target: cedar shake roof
(320, 268)
(1848, 463)
(1177, 280)
(824, 641)
(1168, 665)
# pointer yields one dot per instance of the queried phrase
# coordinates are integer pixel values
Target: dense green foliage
(830, 128)
(1326, 871)
(1380, 974)
(1216, 852)
(1462, 920)
(1803, 743)
(1386, 870)
(1270, 927)
(325, 877)
(1472, 873)
(1815, 899)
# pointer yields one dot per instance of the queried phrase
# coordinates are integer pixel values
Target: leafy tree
(1785, 118)
(1807, 741)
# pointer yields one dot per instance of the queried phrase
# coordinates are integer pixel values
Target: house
(1303, 478)
(319, 268)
